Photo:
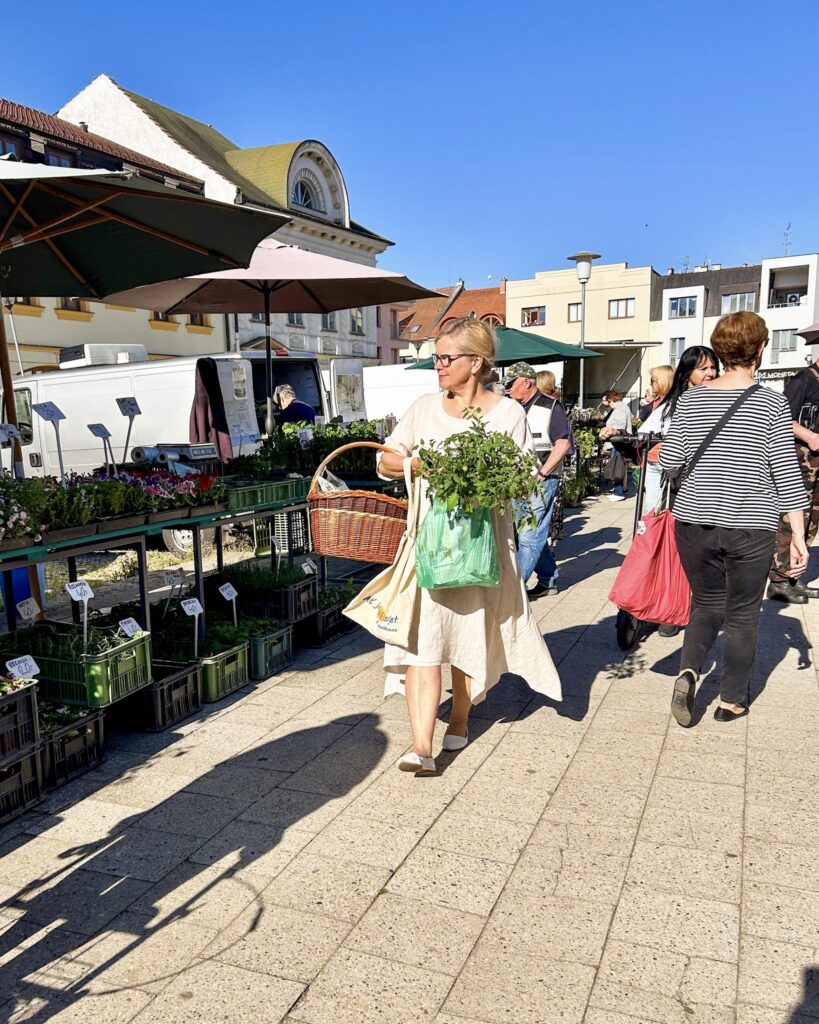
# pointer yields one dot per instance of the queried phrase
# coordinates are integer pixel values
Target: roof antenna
(786, 239)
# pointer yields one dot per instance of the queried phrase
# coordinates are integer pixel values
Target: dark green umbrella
(516, 346)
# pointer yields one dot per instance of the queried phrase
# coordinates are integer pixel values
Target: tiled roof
(56, 129)
(480, 301)
(420, 319)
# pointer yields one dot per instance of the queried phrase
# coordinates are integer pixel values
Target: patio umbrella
(280, 279)
(810, 334)
(67, 232)
(516, 346)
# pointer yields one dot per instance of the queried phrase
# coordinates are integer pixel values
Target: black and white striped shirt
(749, 474)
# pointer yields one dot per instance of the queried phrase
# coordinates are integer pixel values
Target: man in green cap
(552, 435)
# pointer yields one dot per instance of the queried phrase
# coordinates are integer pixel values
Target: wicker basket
(361, 525)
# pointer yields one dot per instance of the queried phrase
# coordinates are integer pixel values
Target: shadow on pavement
(160, 865)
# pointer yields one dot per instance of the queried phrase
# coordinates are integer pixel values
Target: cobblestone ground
(583, 862)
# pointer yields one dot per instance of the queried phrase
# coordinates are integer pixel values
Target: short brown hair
(612, 396)
(737, 337)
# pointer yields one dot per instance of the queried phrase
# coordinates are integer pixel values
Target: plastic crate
(241, 497)
(289, 604)
(325, 625)
(223, 673)
(21, 784)
(175, 694)
(72, 749)
(97, 680)
(19, 725)
(270, 654)
(299, 533)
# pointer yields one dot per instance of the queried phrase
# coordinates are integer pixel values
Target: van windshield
(303, 378)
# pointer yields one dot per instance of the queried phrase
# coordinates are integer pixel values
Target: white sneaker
(413, 762)
(453, 742)
(617, 497)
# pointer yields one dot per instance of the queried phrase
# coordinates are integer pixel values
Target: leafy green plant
(586, 440)
(56, 716)
(478, 469)
(575, 488)
(11, 684)
(61, 641)
(332, 596)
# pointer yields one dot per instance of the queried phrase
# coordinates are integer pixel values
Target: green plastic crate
(97, 680)
(223, 673)
(270, 654)
(244, 497)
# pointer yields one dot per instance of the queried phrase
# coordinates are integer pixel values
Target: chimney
(84, 125)
(502, 286)
(670, 271)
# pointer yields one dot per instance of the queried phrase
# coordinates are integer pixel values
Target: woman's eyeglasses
(446, 360)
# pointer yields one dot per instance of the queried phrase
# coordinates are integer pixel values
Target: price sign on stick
(309, 567)
(28, 609)
(80, 591)
(52, 414)
(23, 668)
(99, 430)
(129, 407)
(173, 577)
(130, 627)
(192, 607)
(230, 593)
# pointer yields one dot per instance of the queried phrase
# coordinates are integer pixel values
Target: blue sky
(490, 138)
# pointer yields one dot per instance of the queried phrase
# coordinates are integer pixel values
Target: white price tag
(311, 565)
(130, 627)
(173, 577)
(99, 430)
(28, 609)
(129, 406)
(191, 606)
(228, 591)
(23, 668)
(48, 411)
(79, 591)
(305, 436)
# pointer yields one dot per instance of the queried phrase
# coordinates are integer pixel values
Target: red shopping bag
(651, 584)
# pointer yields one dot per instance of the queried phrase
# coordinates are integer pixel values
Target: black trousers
(727, 570)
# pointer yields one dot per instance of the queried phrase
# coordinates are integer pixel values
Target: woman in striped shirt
(727, 510)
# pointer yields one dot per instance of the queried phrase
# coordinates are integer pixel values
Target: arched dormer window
(303, 195)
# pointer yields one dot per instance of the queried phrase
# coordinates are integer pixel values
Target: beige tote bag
(385, 607)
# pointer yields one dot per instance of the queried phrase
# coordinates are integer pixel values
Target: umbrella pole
(8, 393)
(269, 424)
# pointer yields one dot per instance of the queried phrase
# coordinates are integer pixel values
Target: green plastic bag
(456, 549)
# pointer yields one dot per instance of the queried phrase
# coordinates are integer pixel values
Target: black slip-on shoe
(682, 700)
(726, 715)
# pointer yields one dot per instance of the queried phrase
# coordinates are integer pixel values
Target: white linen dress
(484, 631)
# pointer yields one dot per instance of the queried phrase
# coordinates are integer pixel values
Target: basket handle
(346, 448)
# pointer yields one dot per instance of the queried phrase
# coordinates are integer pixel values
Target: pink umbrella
(280, 279)
(810, 334)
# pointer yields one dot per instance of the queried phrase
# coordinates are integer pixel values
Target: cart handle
(346, 448)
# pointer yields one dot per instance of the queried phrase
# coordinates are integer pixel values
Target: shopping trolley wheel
(626, 630)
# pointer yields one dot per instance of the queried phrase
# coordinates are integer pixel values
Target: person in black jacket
(802, 393)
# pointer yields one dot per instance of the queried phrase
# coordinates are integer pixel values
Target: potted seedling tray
(94, 674)
(19, 728)
(72, 744)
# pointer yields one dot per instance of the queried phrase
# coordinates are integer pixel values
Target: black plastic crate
(324, 626)
(21, 784)
(19, 726)
(288, 604)
(72, 749)
(175, 694)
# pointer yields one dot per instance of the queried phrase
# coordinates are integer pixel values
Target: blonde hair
(664, 376)
(546, 382)
(474, 338)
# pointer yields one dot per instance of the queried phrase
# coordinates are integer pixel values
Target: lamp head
(583, 260)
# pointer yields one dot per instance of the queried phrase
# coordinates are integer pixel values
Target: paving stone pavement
(583, 862)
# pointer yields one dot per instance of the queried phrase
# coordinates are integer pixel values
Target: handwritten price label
(48, 411)
(129, 406)
(173, 577)
(228, 591)
(23, 668)
(28, 609)
(79, 591)
(99, 430)
(191, 606)
(130, 627)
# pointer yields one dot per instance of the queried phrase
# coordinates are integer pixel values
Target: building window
(676, 347)
(492, 320)
(257, 318)
(357, 320)
(395, 330)
(164, 318)
(738, 302)
(685, 305)
(73, 304)
(377, 316)
(58, 159)
(782, 341)
(574, 312)
(303, 195)
(295, 319)
(620, 309)
(533, 316)
(198, 320)
(328, 322)
(9, 145)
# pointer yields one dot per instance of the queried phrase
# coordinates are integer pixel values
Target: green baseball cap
(521, 369)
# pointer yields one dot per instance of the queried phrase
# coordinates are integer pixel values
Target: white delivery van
(391, 390)
(164, 389)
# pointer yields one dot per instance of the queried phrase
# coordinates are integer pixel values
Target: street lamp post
(583, 261)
